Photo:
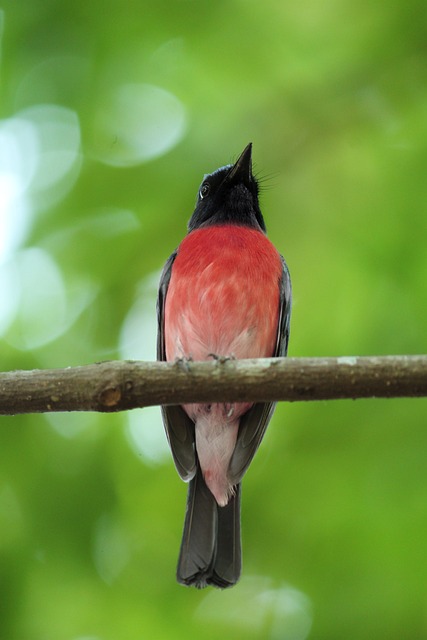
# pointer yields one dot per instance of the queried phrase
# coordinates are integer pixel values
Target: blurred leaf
(110, 115)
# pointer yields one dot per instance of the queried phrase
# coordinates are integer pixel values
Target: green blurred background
(111, 112)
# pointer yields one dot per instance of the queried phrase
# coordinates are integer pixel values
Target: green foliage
(110, 115)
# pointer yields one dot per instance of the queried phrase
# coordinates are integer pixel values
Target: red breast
(223, 295)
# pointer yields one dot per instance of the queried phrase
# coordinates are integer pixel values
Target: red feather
(223, 295)
(223, 299)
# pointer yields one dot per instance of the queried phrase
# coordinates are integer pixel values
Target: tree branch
(118, 386)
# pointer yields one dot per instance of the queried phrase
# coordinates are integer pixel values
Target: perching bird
(225, 292)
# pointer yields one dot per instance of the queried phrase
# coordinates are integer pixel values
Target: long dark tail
(211, 548)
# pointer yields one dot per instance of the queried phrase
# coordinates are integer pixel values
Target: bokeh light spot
(138, 340)
(110, 550)
(281, 613)
(70, 425)
(19, 150)
(39, 162)
(42, 305)
(59, 160)
(136, 123)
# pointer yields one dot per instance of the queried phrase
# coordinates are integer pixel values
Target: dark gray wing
(254, 423)
(178, 426)
(285, 312)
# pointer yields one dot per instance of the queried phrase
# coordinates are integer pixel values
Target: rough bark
(118, 386)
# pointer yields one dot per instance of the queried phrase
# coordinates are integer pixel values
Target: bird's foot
(221, 359)
(183, 363)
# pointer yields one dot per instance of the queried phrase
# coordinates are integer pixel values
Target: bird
(224, 293)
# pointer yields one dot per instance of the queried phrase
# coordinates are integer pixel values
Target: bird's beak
(242, 169)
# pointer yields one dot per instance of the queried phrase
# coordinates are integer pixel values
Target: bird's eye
(204, 190)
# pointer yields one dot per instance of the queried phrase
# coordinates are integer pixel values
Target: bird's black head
(229, 196)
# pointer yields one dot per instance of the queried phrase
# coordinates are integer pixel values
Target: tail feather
(199, 536)
(211, 549)
(228, 558)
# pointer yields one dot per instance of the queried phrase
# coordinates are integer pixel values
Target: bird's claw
(184, 363)
(221, 359)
